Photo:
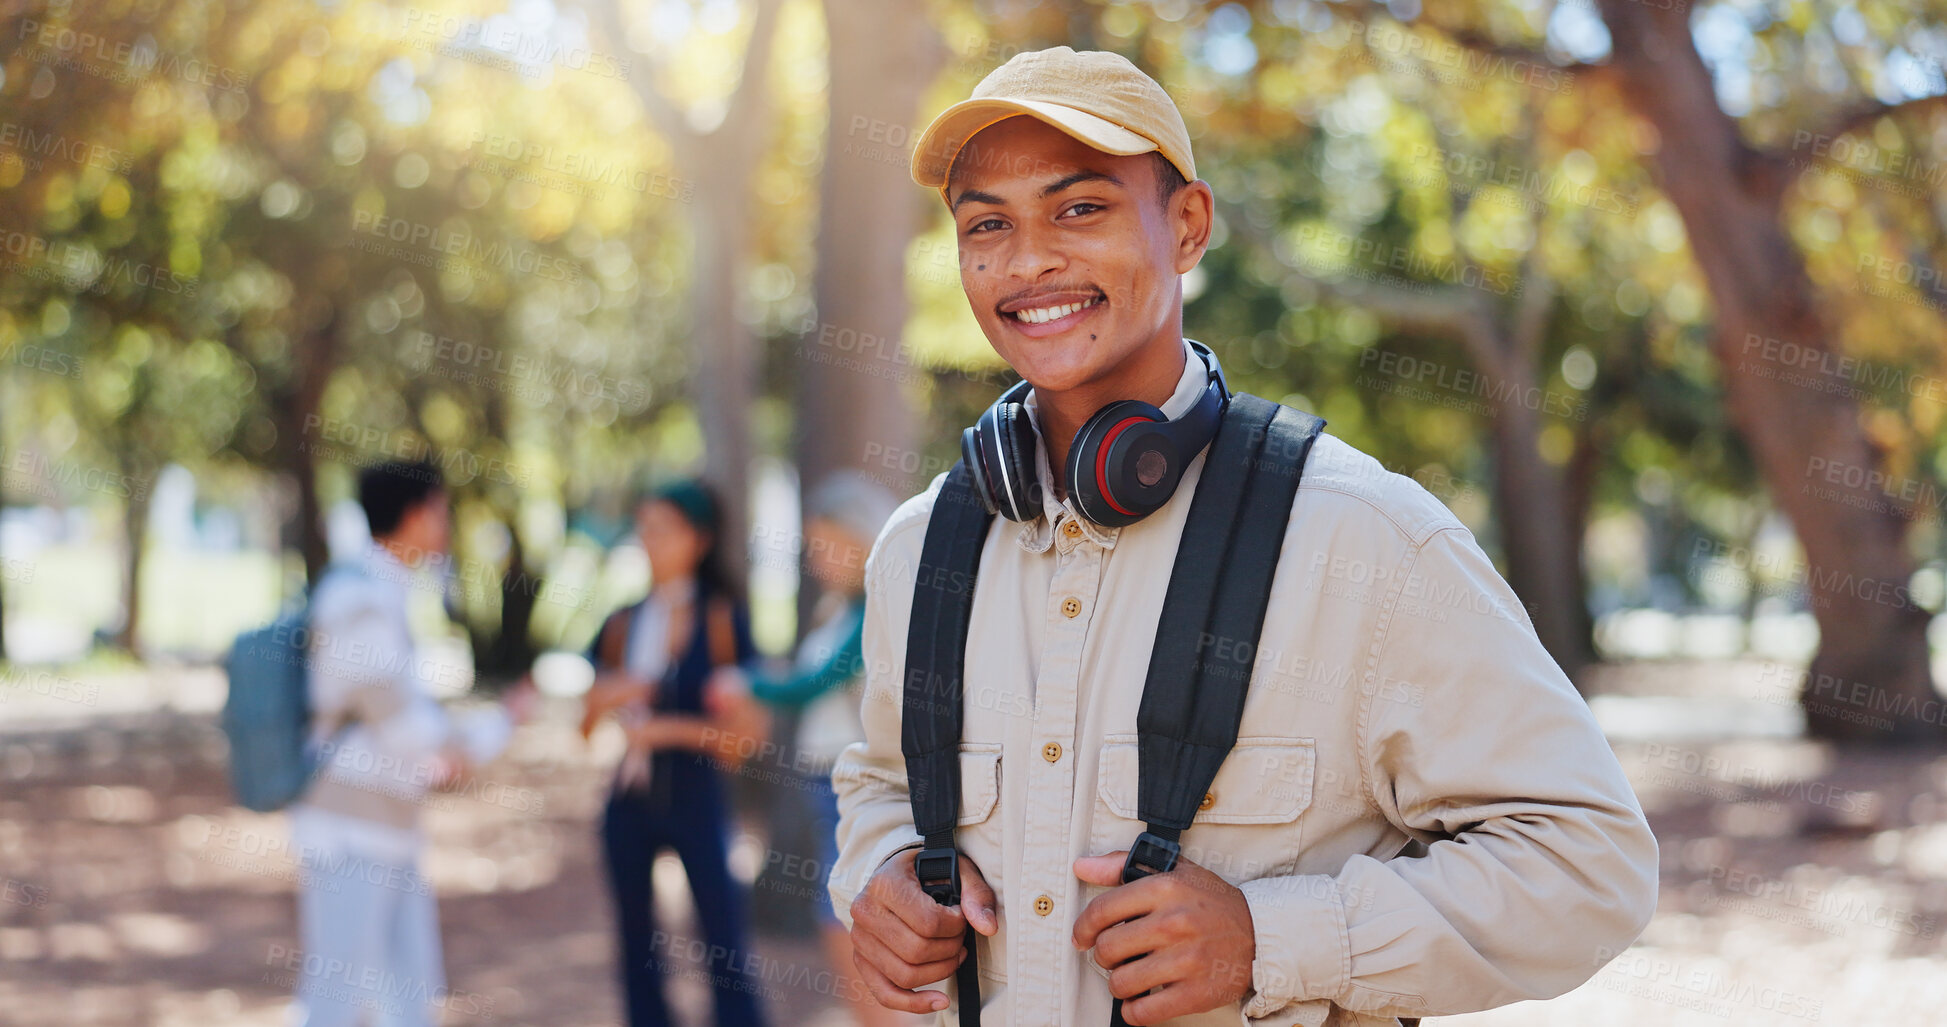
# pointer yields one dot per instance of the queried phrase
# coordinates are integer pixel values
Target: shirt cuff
(844, 892)
(1304, 957)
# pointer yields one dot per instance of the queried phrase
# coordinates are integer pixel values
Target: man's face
(1069, 259)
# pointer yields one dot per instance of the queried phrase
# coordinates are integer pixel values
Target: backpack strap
(930, 719)
(1200, 668)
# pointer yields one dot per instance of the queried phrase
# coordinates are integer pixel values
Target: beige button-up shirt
(1420, 810)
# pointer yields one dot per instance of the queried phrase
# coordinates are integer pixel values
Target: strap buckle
(1152, 854)
(939, 874)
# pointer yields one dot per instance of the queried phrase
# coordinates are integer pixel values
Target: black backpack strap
(930, 719)
(1200, 668)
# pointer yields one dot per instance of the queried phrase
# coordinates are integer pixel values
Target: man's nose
(1034, 255)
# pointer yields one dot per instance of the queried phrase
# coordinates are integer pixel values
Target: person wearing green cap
(1419, 816)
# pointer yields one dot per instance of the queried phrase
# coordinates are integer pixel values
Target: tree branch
(1478, 41)
(669, 121)
(1864, 115)
(1450, 312)
(747, 102)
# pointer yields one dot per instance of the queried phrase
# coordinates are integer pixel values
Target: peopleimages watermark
(452, 250)
(36, 147)
(1396, 47)
(362, 444)
(1367, 257)
(367, 985)
(536, 379)
(1817, 584)
(1887, 274)
(60, 46)
(1537, 187)
(1820, 369)
(45, 359)
(1860, 702)
(1866, 163)
(1665, 980)
(1871, 488)
(84, 268)
(500, 43)
(1699, 770)
(1403, 368)
(1826, 910)
(22, 681)
(571, 171)
(20, 893)
(44, 473)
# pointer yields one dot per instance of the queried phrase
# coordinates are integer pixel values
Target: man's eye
(1084, 207)
(986, 225)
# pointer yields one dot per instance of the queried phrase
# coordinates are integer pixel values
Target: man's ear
(1192, 211)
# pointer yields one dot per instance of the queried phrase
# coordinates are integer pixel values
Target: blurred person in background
(366, 914)
(842, 518)
(654, 665)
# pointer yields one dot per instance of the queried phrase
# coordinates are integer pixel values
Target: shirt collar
(1045, 531)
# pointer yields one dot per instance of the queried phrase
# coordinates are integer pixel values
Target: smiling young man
(1418, 816)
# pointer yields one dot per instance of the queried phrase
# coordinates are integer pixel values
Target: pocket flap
(980, 781)
(1264, 780)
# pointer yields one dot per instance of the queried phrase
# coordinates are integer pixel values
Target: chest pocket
(1250, 822)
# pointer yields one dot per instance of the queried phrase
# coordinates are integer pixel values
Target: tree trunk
(1872, 639)
(511, 650)
(296, 409)
(1541, 539)
(135, 531)
(854, 377)
(724, 373)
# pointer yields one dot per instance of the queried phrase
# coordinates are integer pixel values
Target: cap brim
(942, 141)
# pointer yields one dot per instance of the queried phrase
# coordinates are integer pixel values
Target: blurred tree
(852, 366)
(718, 142)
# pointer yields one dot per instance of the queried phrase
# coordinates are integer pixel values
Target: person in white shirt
(367, 917)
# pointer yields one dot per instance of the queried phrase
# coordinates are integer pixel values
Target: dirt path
(1798, 888)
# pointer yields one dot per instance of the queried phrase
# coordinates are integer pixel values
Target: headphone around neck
(1125, 462)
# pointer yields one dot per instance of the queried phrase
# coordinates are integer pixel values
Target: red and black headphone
(1124, 465)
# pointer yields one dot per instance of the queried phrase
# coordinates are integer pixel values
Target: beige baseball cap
(1097, 97)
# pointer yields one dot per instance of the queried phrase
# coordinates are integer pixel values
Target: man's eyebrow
(976, 196)
(1078, 177)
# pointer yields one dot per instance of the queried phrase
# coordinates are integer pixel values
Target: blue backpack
(267, 715)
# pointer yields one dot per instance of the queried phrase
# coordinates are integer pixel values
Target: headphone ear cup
(1101, 472)
(977, 468)
(1016, 436)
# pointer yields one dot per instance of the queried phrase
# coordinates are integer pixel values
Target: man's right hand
(902, 939)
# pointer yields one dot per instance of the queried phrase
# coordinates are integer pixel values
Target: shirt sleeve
(799, 687)
(1538, 866)
(875, 813)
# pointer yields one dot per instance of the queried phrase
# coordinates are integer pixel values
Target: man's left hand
(1174, 944)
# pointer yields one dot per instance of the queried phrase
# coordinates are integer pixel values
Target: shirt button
(1070, 607)
(1051, 752)
(1071, 529)
(1044, 906)
(1209, 800)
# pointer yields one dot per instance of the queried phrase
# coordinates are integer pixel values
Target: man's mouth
(1042, 312)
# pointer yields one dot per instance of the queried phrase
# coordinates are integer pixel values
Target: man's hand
(902, 939)
(1174, 944)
